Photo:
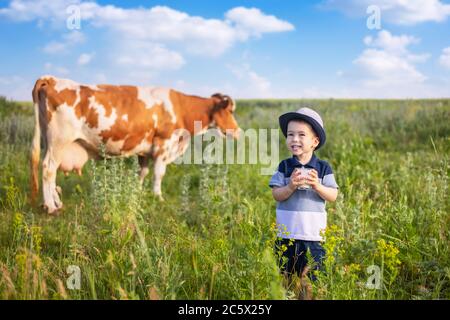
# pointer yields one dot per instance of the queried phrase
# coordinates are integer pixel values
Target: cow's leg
(159, 169)
(172, 148)
(50, 166)
(143, 163)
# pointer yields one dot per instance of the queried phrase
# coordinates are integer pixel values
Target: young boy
(301, 195)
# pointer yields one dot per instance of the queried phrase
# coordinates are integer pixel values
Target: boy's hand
(313, 179)
(296, 180)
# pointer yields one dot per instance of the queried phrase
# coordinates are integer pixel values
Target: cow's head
(222, 115)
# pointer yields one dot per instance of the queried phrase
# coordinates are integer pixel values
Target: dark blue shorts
(296, 256)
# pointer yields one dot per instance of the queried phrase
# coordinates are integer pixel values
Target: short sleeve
(277, 179)
(328, 179)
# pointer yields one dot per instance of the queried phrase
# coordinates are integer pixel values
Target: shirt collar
(311, 164)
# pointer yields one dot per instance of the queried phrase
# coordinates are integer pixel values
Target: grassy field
(213, 236)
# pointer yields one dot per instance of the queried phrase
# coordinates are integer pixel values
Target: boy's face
(301, 138)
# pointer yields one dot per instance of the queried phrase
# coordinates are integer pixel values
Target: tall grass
(213, 237)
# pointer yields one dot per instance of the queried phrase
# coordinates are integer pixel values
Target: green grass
(213, 236)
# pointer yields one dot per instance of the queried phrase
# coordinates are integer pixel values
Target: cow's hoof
(54, 211)
(160, 197)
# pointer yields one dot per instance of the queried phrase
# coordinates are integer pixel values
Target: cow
(76, 120)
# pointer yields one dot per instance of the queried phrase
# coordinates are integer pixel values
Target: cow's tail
(40, 126)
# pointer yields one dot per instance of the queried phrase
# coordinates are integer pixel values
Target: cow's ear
(221, 101)
(217, 95)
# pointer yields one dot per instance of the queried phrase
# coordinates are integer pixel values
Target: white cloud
(444, 59)
(250, 84)
(69, 40)
(388, 61)
(387, 68)
(149, 55)
(196, 34)
(22, 10)
(85, 58)
(159, 24)
(402, 12)
(167, 26)
(394, 44)
(384, 69)
(143, 40)
(251, 21)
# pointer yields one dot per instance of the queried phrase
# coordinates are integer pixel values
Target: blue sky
(247, 49)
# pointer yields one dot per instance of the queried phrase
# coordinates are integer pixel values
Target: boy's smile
(301, 139)
(295, 148)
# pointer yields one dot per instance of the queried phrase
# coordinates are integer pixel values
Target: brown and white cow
(76, 120)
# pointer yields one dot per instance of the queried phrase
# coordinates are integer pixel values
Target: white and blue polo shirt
(302, 216)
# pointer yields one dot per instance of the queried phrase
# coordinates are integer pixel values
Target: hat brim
(285, 118)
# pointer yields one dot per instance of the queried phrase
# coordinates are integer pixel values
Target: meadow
(213, 237)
